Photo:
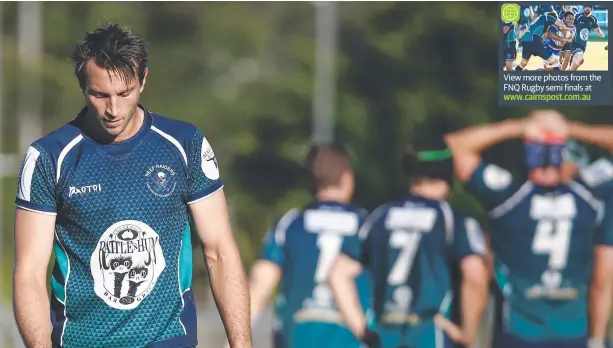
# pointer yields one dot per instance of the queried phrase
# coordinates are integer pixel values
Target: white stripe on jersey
(283, 224)
(25, 181)
(172, 141)
(448, 217)
(64, 153)
(512, 201)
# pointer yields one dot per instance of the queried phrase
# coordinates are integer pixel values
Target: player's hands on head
(542, 123)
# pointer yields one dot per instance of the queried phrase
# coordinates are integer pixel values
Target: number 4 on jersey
(553, 237)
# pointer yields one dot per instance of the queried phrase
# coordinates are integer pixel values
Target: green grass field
(596, 58)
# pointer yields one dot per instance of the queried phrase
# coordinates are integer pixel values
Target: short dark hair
(114, 48)
(327, 163)
(427, 157)
(568, 13)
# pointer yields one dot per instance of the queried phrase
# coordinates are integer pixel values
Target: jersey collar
(121, 148)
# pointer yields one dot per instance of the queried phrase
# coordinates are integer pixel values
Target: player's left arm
(601, 290)
(596, 27)
(208, 208)
(470, 249)
(600, 135)
(268, 269)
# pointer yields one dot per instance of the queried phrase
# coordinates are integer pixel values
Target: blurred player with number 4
(542, 229)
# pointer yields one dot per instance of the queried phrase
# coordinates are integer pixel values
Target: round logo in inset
(126, 264)
(161, 180)
(510, 12)
(584, 34)
(209, 161)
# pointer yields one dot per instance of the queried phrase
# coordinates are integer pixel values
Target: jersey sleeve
(272, 249)
(598, 177)
(594, 22)
(36, 183)
(360, 248)
(274, 241)
(492, 184)
(468, 238)
(604, 232)
(203, 171)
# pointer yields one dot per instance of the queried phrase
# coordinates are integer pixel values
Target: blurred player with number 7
(409, 246)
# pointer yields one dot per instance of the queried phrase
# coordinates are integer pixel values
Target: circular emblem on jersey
(208, 161)
(496, 178)
(161, 180)
(126, 264)
(584, 34)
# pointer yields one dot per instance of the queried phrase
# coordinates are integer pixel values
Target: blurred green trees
(243, 73)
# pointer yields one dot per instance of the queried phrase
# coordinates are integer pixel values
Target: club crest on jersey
(161, 180)
(126, 264)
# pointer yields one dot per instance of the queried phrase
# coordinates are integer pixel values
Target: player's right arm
(341, 279)
(601, 290)
(467, 145)
(34, 234)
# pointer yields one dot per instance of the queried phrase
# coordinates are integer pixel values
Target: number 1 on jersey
(329, 245)
(407, 242)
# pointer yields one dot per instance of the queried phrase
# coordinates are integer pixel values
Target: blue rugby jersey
(123, 266)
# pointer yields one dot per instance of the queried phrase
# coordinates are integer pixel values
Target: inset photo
(554, 37)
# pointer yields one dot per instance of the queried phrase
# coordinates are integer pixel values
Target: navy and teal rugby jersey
(511, 35)
(584, 24)
(542, 243)
(410, 248)
(537, 27)
(123, 264)
(304, 243)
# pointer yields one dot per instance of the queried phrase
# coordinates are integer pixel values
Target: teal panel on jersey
(61, 260)
(185, 260)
